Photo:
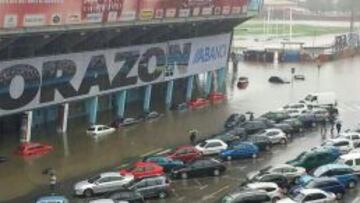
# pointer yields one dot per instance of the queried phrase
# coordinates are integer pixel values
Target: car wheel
(184, 175)
(254, 156)
(216, 172)
(88, 193)
(162, 195)
(275, 199)
(352, 184)
(283, 141)
(229, 158)
(339, 196)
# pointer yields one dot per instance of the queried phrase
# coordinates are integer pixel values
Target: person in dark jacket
(193, 135)
(338, 127)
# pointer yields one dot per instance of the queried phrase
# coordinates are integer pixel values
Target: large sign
(31, 13)
(37, 82)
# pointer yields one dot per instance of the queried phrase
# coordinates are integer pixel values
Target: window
(357, 162)
(105, 180)
(349, 162)
(314, 197)
(213, 144)
(258, 199)
(340, 144)
(116, 178)
(269, 189)
(141, 184)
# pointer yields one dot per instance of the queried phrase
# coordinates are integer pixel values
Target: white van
(352, 160)
(320, 99)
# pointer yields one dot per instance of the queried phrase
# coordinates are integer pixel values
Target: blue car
(52, 199)
(241, 150)
(167, 163)
(332, 185)
(342, 172)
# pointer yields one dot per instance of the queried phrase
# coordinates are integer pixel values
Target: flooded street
(77, 155)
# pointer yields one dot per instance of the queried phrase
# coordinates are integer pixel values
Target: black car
(278, 80)
(277, 116)
(202, 167)
(226, 136)
(279, 179)
(252, 127)
(295, 123)
(308, 120)
(246, 196)
(131, 196)
(153, 187)
(286, 128)
(234, 120)
(261, 141)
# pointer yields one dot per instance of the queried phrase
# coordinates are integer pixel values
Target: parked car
(52, 199)
(233, 120)
(294, 113)
(321, 114)
(289, 171)
(246, 196)
(167, 163)
(128, 196)
(276, 116)
(344, 145)
(102, 183)
(198, 103)
(33, 148)
(276, 136)
(202, 167)
(278, 80)
(286, 128)
(184, 153)
(311, 196)
(252, 127)
(99, 130)
(261, 141)
(241, 150)
(151, 115)
(315, 158)
(125, 122)
(295, 123)
(277, 178)
(342, 172)
(153, 187)
(320, 99)
(271, 189)
(331, 185)
(239, 132)
(226, 137)
(352, 160)
(143, 170)
(308, 119)
(353, 136)
(211, 146)
(297, 106)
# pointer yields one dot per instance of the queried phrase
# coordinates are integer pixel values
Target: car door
(198, 168)
(142, 188)
(213, 147)
(102, 185)
(241, 150)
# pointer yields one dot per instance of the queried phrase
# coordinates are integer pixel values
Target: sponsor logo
(210, 53)
(112, 16)
(217, 11)
(34, 20)
(73, 19)
(171, 13)
(10, 21)
(226, 10)
(183, 13)
(159, 13)
(128, 16)
(94, 17)
(196, 11)
(146, 14)
(236, 10)
(207, 11)
(55, 19)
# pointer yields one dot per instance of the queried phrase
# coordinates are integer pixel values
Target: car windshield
(309, 98)
(227, 199)
(310, 184)
(93, 179)
(299, 197)
(318, 172)
(202, 144)
(91, 129)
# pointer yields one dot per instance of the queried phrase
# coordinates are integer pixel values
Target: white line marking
(212, 195)
(151, 152)
(204, 187)
(163, 152)
(198, 182)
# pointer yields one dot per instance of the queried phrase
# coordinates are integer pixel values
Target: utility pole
(352, 17)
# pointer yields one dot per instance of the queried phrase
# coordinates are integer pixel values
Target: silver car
(105, 182)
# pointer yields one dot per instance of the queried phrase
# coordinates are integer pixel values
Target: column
(147, 98)
(92, 109)
(208, 83)
(121, 103)
(63, 116)
(169, 93)
(26, 126)
(189, 88)
(221, 78)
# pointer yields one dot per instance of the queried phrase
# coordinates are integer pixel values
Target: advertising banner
(37, 82)
(32, 13)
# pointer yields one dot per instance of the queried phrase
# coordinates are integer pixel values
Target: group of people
(334, 123)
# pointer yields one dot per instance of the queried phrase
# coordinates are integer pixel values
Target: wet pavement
(77, 156)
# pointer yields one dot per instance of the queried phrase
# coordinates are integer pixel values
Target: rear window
(91, 129)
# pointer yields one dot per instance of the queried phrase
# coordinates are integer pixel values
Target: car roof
(272, 130)
(282, 166)
(311, 191)
(323, 179)
(261, 184)
(154, 178)
(354, 155)
(110, 174)
(213, 140)
(332, 166)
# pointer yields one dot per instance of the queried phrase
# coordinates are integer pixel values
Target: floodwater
(77, 155)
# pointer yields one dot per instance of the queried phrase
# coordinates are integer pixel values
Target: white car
(289, 171)
(99, 130)
(275, 135)
(311, 196)
(353, 136)
(352, 160)
(272, 189)
(344, 145)
(102, 183)
(211, 146)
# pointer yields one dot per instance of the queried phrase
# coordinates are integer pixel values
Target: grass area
(249, 29)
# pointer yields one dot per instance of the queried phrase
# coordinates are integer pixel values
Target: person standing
(193, 136)
(323, 129)
(52, 182)
(338, 127)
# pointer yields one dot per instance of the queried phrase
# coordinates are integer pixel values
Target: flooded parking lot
(76, 155)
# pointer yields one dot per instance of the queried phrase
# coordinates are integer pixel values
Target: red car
(198, 103)
(142, 170)
(33, 148)
(185, 153)
(216, 97)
